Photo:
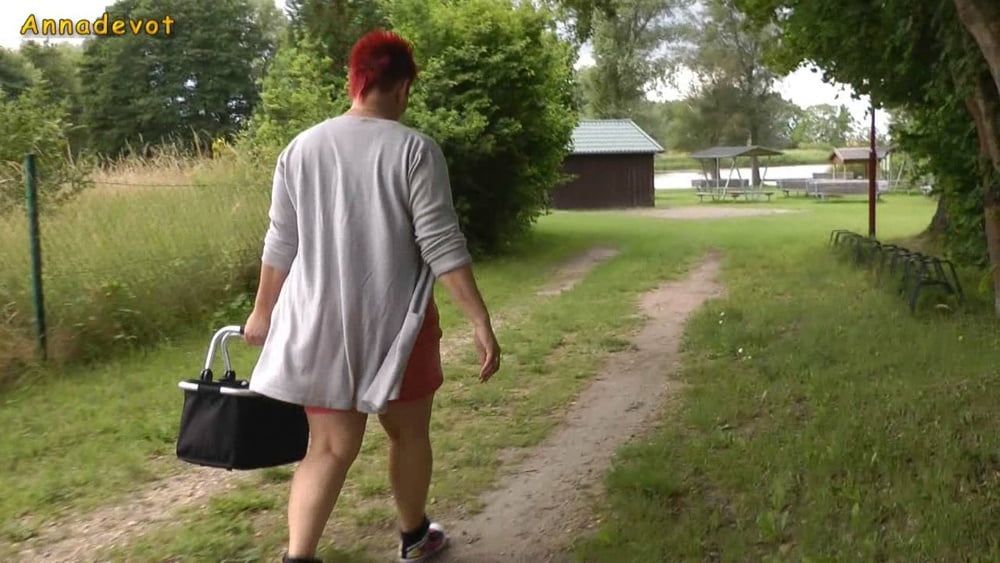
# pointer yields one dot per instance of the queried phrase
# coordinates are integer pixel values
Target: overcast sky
(801, 87)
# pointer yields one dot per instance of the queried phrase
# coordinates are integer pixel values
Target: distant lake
(681, 180)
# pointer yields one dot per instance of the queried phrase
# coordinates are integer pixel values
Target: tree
(295, 95)
(982, 19)
(59, 66)
(929, 64)
(627, 51)
(496, 92)
(201, 82)
(581, 15)
(33, 123)
(727, 55)
(823, 124)
(15, 76)
(336, 25)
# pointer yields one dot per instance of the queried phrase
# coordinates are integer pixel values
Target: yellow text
(102, 26)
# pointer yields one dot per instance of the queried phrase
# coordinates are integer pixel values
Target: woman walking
(361, 224)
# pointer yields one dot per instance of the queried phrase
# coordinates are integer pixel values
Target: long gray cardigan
(362, 220)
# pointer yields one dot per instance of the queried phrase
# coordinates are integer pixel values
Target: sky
(802, 87)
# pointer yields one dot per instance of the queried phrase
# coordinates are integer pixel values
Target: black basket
(225, 424)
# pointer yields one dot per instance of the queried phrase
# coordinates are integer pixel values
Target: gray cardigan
(362, 220)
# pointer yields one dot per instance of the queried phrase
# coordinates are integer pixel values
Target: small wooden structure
(844, 159)
(611, 164)
(714, 186)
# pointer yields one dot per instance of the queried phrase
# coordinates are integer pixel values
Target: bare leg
(334, 443)
(410, 458)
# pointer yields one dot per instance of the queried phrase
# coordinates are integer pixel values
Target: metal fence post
(31, 194)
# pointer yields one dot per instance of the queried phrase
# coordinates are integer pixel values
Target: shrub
(33, 124)
(496, 92)
(296, 94)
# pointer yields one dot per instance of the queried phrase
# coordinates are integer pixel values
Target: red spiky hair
(380, 59)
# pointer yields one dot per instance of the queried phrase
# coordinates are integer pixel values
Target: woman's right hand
(256, 328)
(489, 351)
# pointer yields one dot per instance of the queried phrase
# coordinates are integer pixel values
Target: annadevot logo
(104, 26)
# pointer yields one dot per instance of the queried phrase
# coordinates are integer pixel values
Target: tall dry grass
(159, 243)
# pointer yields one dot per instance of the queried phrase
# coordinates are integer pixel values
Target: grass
(114, 258)
(759, 462)
(551, 355)
(676, 161)
(822, 421)
(115, 424)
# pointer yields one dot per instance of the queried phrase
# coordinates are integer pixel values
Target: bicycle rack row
(915, 270)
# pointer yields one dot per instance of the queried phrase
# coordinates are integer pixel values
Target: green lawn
(822, 421)
(91, 435)
(672, 161)
(736, 471)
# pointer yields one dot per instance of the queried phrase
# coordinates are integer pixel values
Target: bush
(33, 124)
(942, 144)
(496, 92)
(296, 94)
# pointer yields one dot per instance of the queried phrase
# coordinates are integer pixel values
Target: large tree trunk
(982, 19)
(939, 223)
(984, 105)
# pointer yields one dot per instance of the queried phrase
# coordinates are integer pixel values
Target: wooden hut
(851, 162)
(611, 161)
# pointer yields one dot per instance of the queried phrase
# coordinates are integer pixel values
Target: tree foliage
(822, 124)
(33, 123)
(944, 141)
(496, 92)
(201, 82)
(917, 56)
(734, 95)
(15, 75)
(334, 26)
(295, 95)
(59, 66)
(631, 46)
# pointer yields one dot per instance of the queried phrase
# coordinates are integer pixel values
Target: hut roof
(612, 136)
(844, 155)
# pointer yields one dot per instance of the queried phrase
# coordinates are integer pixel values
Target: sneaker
(433, 543)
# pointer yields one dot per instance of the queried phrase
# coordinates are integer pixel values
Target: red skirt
(423, 375)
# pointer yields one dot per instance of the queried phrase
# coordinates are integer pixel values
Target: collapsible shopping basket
(225, 424)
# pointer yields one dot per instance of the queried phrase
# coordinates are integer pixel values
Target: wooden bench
(794, 186)
(735, 194)
(826, 189)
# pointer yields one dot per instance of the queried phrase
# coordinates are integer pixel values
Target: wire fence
(147, 259)
(159, 185)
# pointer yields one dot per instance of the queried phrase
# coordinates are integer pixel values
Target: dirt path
(565, 278)
(76, 538)
(544, 503)
(573, 272)
(702, 213)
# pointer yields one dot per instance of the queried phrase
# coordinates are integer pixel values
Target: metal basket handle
(221, 340)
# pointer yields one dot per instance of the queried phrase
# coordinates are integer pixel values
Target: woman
(361, 223)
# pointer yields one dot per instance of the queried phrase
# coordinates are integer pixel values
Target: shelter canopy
(717, 153)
